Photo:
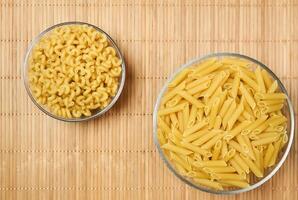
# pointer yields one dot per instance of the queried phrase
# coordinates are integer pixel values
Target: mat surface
(113, 157)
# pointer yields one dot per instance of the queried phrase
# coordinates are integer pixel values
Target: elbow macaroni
(225, 131)
(73, 71)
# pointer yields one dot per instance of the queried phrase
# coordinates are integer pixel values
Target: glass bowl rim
(286, 150)
(42, 108)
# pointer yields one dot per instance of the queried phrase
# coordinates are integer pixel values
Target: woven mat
(113, 157)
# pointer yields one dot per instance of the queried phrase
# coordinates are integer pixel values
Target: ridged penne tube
(217, 122)
(199, 88)
(176, 132)
(209, 183)
(266, 140)
(235, 86)
(176, 149)
(209, 69)
(179, 78)
(238, 147)
(272, 108)
(239, 160)
(247, 116)
(211, 163)
(277, 121)
(214, 84)
(260, 80)
(228, 114)
(205, 138)
(227, 169)
(203, 65)
(169, 95)
(196, 135)
(235, 116)
(273, 87)
(196, 149)
(252, 166)
(174, 120)
(254, 125)
(249, 99)
(225, 107)
(234, 132)
(273, 96)
(230, 154)
(210, 102)
(237, 167)
(167, 111)
(164, 127)
(243, 144)
(180, 169)
(235, 61)
(180, 120)
(269, 102)
(273, 158)
(185, 114)
(191, 99)
(192, 116)
(198, 126)
(243, 76)
(269, 134)
(161, 136)
(268, 155)
(213, 113)
(224, 149)
(212, 142)
(199, 81)
(174, 101)
(176, 158)
(216, 150)
(250, 153)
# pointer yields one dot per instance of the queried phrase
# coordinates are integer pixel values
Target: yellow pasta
(176, 149)
(192, 116)
(249, 99)
(235, 115)
(191, 99)
(260, 80)
(179, 78)
(73, 70)
(171, 110)
(220, 122)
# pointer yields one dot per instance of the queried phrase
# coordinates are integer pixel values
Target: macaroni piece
(225, 122)
(73, 70)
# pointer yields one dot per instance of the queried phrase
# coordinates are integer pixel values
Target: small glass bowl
(96, 112)
(288, 112)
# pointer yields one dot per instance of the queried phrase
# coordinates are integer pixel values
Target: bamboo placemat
(113, 157)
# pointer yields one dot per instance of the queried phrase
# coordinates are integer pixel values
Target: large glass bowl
(96, 112)
(256, 182)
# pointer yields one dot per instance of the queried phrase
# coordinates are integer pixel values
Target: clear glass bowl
(43, 108)
(256, 182)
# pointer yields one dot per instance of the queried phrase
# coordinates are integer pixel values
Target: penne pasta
(221, 124)
(191, 99)
(266, 78)
(260, 80)
(249, 99)
(179, 78)
(176, 149)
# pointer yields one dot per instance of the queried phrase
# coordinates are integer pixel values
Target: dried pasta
(226, 125)
(73, 70)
